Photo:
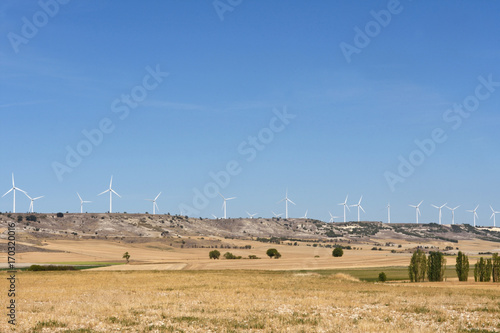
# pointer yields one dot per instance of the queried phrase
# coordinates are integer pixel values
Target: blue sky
(354, 117)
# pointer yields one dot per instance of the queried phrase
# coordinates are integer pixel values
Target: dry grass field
(246, 301)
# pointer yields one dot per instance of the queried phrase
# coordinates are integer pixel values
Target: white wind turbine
(389, 213)
(345, 206)
(332, 217)
(14, 188)
(475, 214)
(276, 215)
(439, 207)
(417, 209)
(452, 214)
(32, 200)
(82, 202)
(286, 200)
(111, 191)
(251, 215)
(155, 206)
(359, 206)
(493, 216)
(224, 205)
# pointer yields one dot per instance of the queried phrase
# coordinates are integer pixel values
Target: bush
(337, 252)
(60, 214)
(382, 277)
(462, 266)
(273, 253)
(40, 268)
(31, 218)
(252, 256)
(19, 218)
(214, 254)
(436, 266)
(418, 266)
(229, 255)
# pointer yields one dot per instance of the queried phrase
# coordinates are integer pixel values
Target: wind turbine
(32, 199)
(14, 188)
(417, 209)
(251, 215)
(475, 214)
(82, 202)
(224, 205)
(276, 215)
(332, 217)
(111, 191)
(452, 214)
(305, 215)
(389, 213)
(359, 206)
(345, 206)
(493, 216)
(155, 206)
(286, 200)
(439, 207)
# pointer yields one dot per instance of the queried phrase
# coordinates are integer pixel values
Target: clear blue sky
(356, 112)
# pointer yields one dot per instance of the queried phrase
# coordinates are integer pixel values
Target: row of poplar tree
(434, 267)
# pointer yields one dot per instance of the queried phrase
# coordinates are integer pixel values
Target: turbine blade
(104, 192)
(79, 196)
(7, 192)
(362, 209)
(292, 202)
(111, 182)
(38, 197)
(157, 196)
(115, 193)
(231, 198)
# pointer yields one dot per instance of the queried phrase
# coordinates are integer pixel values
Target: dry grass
(245, 301)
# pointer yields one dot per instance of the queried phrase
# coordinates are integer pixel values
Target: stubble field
(246, 301)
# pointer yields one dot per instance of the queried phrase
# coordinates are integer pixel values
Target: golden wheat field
(246, 301)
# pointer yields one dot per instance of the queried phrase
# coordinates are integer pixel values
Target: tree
(418, 266)
(496, 267)
(436, 265)
(462, 266)
(126, 256)
(488, 270)
(337, 252)
(382, 277)
(273, 253)
(214, 254)
(60, 214)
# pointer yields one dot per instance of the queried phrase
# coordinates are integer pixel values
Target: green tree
(418, 266)
(436, 265)
(382, 277)
(488, 269)
(496, 267)
(126, 256)
(482, 270)
(462, 266)
(214, 254)
(273, 253)
(338, 252)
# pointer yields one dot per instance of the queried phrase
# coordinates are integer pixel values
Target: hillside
(32, 228)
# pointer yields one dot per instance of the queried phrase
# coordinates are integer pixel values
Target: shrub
(19, 218)
(418, 266)
(229, 255)
(436, 266)
(252, 256)
(273, 253)
(60, 214)
(337, 252)
(214, 254)
(462, 266)
(31, 218)
(382, 277)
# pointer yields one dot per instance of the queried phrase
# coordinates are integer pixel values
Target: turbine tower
(359, 206)
(475, 214)
(224, 204)
(32, 200)
(155, 206)
(251, 215)
(82, 202)
(439, 207)
(452, 214)
(493, 216)
(286, 200)
(345, 206)
(417, 209)
(111, 191)
(332, 217)
(14, 188)
(389, 213)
